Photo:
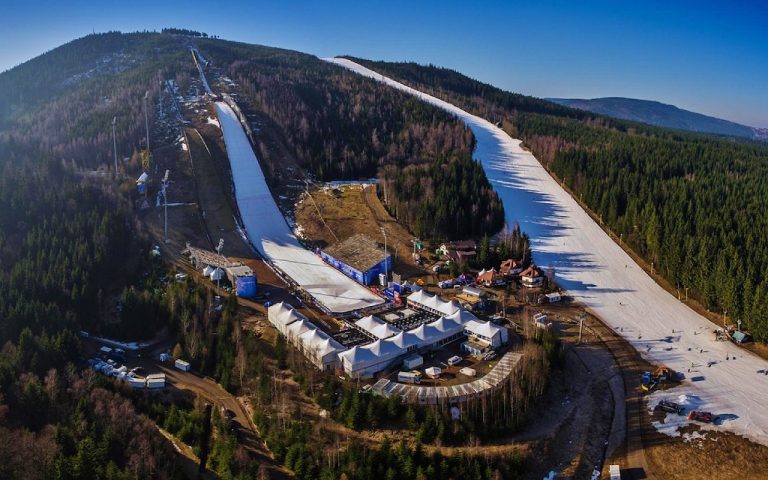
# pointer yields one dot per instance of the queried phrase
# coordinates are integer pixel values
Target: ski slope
(598, 273)
(269, 233)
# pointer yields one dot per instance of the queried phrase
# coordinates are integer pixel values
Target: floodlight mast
(165, 201)
(219, 248)
(146, 117)
(386, 273)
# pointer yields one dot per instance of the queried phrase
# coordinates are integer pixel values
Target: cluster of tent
(391, 343)
(214, 273)
(316, 345)
(433, 303)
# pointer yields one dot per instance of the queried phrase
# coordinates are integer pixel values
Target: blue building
(358, 257)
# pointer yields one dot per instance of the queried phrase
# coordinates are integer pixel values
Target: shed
(413, 361)
(553, 297)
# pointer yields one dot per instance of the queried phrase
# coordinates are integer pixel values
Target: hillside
(661, 115)
(683, 201)
(74, 243)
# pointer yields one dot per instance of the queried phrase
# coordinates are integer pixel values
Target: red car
(705, 417)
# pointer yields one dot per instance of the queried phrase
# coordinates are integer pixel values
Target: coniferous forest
(692, 204)
(341, 126)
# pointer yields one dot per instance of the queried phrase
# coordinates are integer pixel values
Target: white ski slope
(598, 273)
(269, 233)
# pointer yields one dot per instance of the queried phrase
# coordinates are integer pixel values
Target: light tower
(386, 274)
(114, 142)
(219, 248)
(165, 201)
(146, 117)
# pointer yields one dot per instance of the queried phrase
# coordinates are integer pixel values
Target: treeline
(56, 423)
(184, 31)
(342, 126)
(692, 204)
(447, 197)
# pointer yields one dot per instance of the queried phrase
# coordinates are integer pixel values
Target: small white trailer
(454, 360)
(181, 365)
(155, 381)
(470, 372)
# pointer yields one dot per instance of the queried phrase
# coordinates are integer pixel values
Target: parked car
(670, 407)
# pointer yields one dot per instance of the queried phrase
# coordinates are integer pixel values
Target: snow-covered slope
(598, 273)
(269, 233)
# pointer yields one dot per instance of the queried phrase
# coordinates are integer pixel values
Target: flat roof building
(358, 257)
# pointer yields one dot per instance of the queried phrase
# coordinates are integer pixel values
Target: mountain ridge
(664, 115)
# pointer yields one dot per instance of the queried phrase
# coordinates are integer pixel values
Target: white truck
(409, 377)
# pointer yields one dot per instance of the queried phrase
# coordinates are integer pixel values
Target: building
(510, 267)
(489, 278)
(358, 257)
(458, 252)
(532, 277)
(217, 266)
(494, 335)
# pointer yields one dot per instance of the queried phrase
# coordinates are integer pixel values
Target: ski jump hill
(598, 273)
(269, 233)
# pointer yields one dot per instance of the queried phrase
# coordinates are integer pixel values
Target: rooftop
(359, 251)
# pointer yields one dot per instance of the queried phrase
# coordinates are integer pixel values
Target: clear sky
(709, 57)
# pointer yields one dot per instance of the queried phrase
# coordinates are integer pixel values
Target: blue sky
(710, 57)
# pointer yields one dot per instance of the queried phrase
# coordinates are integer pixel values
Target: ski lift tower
(165, 202)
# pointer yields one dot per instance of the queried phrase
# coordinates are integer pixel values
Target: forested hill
(660, 115)
(341, 126)
(692, 204)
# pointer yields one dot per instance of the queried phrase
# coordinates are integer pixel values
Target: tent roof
(385, 331)
(486, 329)
(369, 323)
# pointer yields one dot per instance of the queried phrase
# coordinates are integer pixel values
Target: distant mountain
(662, 115)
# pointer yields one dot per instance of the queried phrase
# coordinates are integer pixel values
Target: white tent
(364, 362)
(385, 331)
(320, 348)
(208, 270)
(487, 331)
(404, 340)
(281, 315)
(217, 274)
(461, 316)
(433, 303)
(369, 323)
(295, 329)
